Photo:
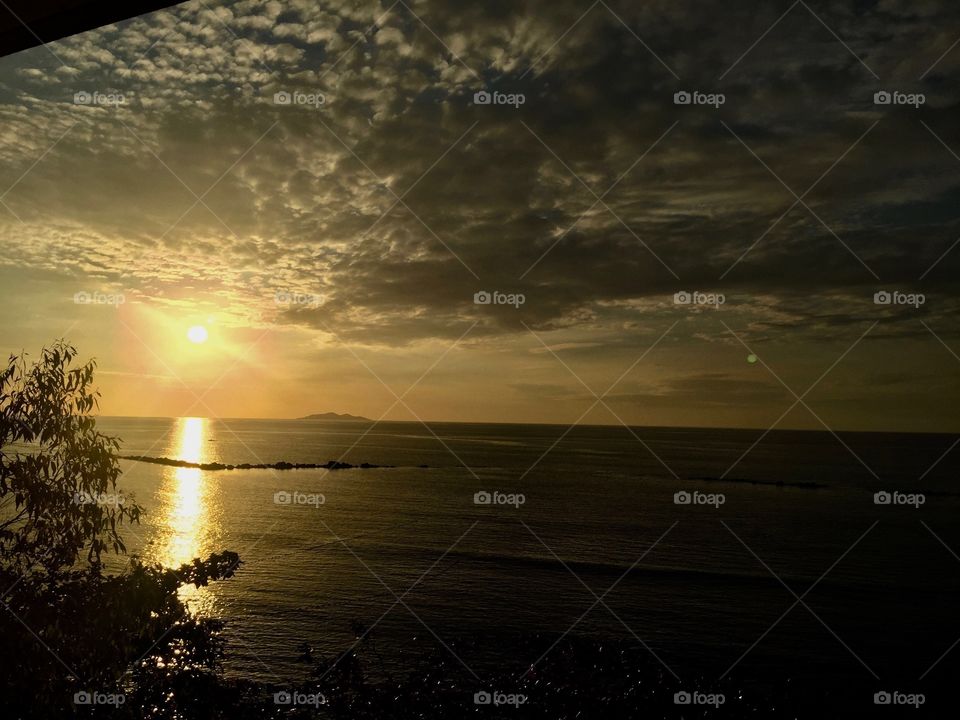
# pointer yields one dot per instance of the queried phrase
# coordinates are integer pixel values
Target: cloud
(394, 198)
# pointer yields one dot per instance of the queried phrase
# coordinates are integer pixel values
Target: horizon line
(417, 421)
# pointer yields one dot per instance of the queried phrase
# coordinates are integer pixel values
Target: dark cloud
(397, 198)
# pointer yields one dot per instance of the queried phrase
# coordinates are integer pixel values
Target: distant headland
(335, 416)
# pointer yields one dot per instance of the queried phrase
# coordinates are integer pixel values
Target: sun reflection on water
(190, 523)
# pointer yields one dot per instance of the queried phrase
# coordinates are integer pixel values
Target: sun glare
(189, 513)
(197, 334)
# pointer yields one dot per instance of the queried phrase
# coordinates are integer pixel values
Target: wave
(777, 483)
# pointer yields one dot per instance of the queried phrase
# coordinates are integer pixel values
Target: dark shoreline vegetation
(576, 678)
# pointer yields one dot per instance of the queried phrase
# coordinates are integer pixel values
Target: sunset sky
(332, 247)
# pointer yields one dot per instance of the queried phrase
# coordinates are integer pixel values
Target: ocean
(510, 531)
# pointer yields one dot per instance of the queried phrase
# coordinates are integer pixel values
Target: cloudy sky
(332, 245)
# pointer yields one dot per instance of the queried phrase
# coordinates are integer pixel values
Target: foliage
(59, 500)
(118, 634)
(66, 626)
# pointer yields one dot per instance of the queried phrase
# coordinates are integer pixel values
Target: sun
(197, 334)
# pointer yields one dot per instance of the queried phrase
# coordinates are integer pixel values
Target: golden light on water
(188, 517)
(185, 513)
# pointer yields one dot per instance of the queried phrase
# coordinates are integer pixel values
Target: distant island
(335, 416)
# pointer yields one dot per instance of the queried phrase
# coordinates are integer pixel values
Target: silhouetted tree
(58, 475)
(66, 626)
